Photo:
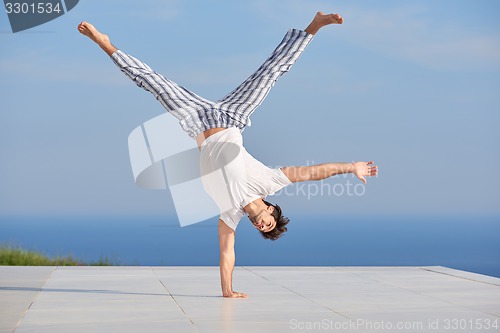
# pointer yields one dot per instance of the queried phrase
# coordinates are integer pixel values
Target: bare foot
(90, 31)
(321, 20)
(325, 19)
(235, 294)
(101, 39)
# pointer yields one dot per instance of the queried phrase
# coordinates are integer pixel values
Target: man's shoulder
(232, 217)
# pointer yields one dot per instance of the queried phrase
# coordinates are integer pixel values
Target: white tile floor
(282, 299)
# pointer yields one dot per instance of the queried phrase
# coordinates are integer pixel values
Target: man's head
(270, 222)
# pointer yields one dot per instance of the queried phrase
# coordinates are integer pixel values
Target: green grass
(15, 256)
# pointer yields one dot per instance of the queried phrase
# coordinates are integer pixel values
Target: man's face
(264, 221)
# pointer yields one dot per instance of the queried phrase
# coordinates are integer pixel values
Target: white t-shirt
(233, 178)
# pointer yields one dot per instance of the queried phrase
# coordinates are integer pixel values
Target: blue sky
(412, 85)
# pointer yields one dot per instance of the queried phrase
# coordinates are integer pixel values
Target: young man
(217, 127)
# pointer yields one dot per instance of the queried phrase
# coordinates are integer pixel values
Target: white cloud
(50, 69)
(231, 68)
(149, 9)
(413, 34)
(410, 32)
(466, 53)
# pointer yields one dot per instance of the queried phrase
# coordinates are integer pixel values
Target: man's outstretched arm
(326, 170)
(227, 259)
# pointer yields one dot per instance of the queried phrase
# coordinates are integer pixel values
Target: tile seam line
(429, 270)
(34, 299)
(460, 277)
(173, 298)
(425, 295)
(293, 291)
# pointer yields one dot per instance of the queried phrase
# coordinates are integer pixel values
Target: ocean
(462, 242)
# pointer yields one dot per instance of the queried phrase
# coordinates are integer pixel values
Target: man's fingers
(372, 169)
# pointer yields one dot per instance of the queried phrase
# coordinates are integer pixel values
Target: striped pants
(197, 114)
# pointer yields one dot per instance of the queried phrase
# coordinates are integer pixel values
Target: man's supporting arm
(326, 170)
(227, 259)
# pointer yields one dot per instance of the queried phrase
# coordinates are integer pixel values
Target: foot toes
(338, 18)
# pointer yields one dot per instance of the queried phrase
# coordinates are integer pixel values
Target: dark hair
(281, 223)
